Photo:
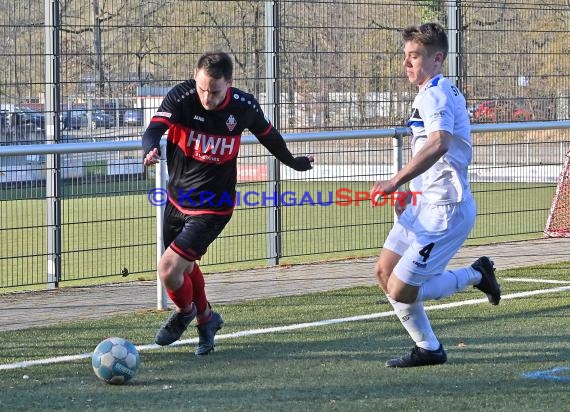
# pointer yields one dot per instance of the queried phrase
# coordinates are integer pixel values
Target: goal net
(558, 223)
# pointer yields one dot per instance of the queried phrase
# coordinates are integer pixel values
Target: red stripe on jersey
(196, 212)
(266, 131)
(161, 120)
(217, 149)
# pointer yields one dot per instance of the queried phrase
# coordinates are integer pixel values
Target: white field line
(531, 280)
(251, 332)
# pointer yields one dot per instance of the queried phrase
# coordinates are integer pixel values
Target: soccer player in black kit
(205, 118)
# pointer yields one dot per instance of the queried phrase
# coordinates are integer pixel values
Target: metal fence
(319, 65)
(89, 71)
(107, 214)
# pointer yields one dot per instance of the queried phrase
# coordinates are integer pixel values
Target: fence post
(272, 113)
(53, 197)
(398, 153)
(160, 182)
(453, 33)
(53, 172)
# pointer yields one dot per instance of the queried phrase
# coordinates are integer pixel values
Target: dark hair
(431, 35)
(216, 64)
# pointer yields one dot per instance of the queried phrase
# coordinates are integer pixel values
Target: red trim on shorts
(183, 253)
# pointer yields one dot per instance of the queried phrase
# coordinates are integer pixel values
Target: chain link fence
(96, 70)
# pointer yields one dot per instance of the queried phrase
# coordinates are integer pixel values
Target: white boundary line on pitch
(251, 332)
(531, 280)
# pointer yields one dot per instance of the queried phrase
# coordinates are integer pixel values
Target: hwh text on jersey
(212, 148)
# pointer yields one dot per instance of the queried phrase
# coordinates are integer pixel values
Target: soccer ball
(115, 360)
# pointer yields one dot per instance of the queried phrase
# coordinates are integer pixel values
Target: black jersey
(202, 146)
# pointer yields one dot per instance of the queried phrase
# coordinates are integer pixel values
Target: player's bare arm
(436, 146)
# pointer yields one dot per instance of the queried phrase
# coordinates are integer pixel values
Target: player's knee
(168, 274)
(164, 273)
(402, 292)
(401, 296)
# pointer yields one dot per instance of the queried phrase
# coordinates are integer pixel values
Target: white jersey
(439, 105)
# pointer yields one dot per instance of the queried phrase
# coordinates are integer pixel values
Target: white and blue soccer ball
(115, 360)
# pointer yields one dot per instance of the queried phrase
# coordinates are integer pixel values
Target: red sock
(198, 288)
(182, 297)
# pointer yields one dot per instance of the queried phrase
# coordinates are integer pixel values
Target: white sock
(448, 283)
(414, 319)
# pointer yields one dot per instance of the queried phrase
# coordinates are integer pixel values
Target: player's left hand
(401, 204)
(303, 163)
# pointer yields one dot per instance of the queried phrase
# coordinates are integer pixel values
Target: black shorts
(190, 235)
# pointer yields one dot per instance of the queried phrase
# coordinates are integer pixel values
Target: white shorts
(427, 237)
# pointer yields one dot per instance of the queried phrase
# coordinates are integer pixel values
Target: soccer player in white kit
(412, 264)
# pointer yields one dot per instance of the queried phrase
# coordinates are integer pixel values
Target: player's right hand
(152, 157)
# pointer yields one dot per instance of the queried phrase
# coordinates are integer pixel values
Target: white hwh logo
(211, 144)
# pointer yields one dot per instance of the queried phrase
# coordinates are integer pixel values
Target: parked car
(16, 117)
(74, 119)
(28, 118)
(115, 109)
(80, 118)
(133, 117)
(101, 119)
(502, 110)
